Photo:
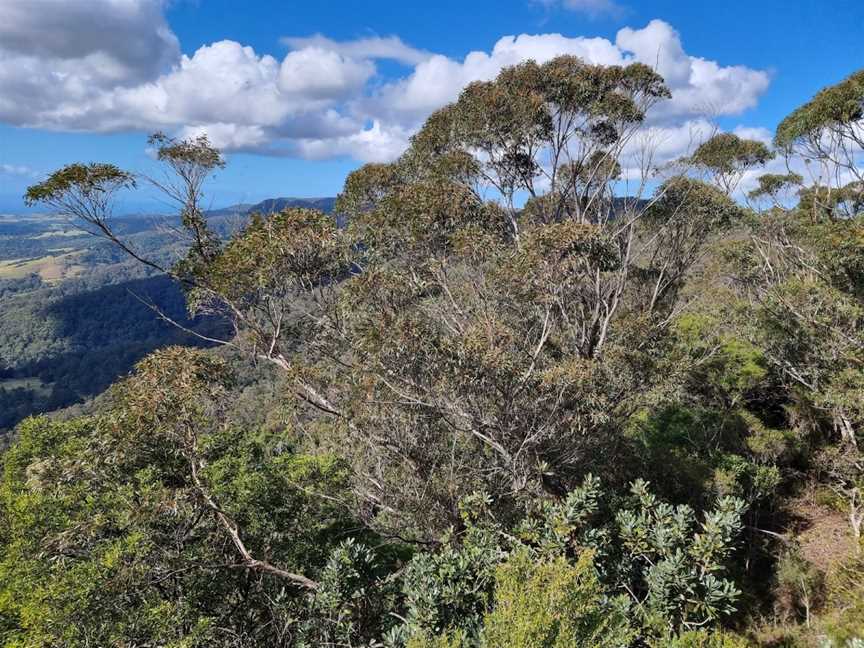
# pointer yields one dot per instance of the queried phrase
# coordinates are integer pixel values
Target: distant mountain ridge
(275, 205)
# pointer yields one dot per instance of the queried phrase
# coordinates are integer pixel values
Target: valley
(73, 316)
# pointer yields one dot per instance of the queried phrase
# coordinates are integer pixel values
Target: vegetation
(517, 305)
(70, 329)
(67, 342)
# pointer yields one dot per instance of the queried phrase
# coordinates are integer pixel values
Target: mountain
(273, 205)
(72, 317)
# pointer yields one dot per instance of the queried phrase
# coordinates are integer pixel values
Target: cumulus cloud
(115, 65)
(389, 48)
(379, 143)
(323, 74)
(439, 79)
(56, 56)
(129, 39)
(698, 86)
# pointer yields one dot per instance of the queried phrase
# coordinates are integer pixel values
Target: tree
(683, 219)
(778, 189)
(86, 192)
(565, 123)
(802, 273)
(726, 158)
(449, 343)
(826, 131)
(190, 161)
(155, 523)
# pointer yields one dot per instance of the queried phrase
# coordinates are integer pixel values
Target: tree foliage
(518, 303)
(726, 157)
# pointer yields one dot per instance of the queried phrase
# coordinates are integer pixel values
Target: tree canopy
(534, 388)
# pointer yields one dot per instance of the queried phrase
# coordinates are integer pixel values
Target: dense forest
(532, 390)
(65, 341)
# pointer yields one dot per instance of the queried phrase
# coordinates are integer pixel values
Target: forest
(531, 389)
(64, 341)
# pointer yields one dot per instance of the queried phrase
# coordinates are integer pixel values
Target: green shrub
(554, 604)
(845, 598)
(704, 639)
(800, 587)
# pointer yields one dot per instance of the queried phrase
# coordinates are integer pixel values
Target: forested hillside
(76, 313)
(540, 391)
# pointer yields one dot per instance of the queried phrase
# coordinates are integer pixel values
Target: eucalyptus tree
(156, 522)
(827, 132)
(86, 192)
(775, 190)
(828, 129)
(450, 341)
(803, 271)
(725, 158)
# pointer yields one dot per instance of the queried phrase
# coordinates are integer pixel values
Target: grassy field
(60, 234)
(52, 267)
(32, 384)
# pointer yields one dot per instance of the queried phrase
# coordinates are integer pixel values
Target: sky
(299, 94)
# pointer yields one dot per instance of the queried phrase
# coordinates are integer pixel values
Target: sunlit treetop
(192, 151)
(85, 180)
(836, 106)
(725, 158)
(771, 184)
(525, 99)
(727, 152)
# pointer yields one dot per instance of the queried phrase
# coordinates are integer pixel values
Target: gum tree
(827, 132)
(725, 158)
(803, 273)
(449, 340)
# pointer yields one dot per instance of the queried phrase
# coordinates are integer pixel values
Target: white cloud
(376, 47)
(375, 144)
(223, 82)
(117, 40)
(230, 137)
(699, 87)
(319, 73)
(659, 46)
(56, 56)
(439, 79)
(592, 8)
(18, 170)
(115, 65)
(757, 133)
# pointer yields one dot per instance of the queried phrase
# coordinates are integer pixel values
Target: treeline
(578, 421)
(65, 342)
(79, 336)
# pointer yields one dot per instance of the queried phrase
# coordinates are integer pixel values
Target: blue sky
(299, 94)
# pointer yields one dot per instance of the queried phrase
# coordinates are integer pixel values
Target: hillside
(73, 316)
(509, 397)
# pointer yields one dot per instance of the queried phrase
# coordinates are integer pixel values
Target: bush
(704, 639)
(554, 604)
